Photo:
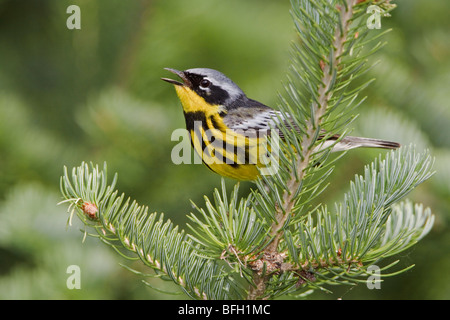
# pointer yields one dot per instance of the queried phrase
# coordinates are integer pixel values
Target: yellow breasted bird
(227, 128)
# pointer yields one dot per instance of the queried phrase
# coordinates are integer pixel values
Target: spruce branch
(367, 227)
(124, 224)
(312, 30)
(318, 95)
(369, 224)
(314, 23)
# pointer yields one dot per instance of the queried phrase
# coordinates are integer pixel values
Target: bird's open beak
(181, 74)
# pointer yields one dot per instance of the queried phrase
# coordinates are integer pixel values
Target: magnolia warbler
(228, 130)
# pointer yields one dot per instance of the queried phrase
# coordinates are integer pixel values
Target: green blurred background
(95, 94)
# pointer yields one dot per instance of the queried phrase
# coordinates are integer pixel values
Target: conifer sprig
(134, 233)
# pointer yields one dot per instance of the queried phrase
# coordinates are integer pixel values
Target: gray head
(210, 84)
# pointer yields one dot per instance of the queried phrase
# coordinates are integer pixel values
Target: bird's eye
(205, 83)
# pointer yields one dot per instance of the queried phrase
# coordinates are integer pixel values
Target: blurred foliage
(95, 95)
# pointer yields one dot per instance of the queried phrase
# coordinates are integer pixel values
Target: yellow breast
(224, 151)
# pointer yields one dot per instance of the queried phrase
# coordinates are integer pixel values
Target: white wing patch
(265, 120)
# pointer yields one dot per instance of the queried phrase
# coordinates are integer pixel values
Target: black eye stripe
(195, 79)
(214, 95)
(198, 80)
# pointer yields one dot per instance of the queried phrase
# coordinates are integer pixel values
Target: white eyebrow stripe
(230, 88)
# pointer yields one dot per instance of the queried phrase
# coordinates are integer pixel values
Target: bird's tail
(350, 142)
